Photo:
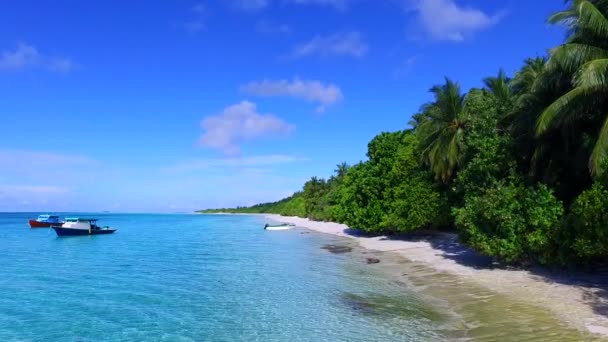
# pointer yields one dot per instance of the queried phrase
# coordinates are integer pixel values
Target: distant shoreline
(573, 299)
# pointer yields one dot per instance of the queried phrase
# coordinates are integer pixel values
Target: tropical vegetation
(518, 167)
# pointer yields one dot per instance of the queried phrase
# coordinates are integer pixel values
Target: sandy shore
(579, 299)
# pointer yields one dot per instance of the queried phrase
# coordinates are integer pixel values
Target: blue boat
(74, 226)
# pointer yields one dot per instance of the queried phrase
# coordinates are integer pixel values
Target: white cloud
(248, 163)
(197, 23)
(405, 67)
(266, 27)
(23, 56)
(194, 26)
(27, 56)
(446, 20)
(45, 179)
(229, 188)
(61, 65)
(31, 197)
(313, 91)
(18, 166)
(337, 44)
(12, 190)
(338, 4)
(239, 123)
(16, 157)
(199, 8)
(251, 5)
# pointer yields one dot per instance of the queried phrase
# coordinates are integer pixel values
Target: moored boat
(280, 226)
(74, 226)
(45, 221)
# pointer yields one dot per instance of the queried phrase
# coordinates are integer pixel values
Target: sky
(173, 106)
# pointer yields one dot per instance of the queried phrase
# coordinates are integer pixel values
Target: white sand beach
(580, 300)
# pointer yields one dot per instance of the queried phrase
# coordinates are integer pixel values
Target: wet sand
(443, 268)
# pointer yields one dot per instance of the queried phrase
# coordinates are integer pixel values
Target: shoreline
(580, 300)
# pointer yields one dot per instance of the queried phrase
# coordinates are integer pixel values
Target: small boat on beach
(74, 226)
(45, 221)
(280, 226)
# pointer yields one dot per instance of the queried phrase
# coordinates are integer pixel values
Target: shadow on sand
(592, 281)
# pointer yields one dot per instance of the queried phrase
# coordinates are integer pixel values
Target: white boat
(280, 226)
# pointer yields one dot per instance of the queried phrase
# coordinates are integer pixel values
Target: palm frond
(562, 105)
(437, 132)
(565, 17)
(591, 19)
(570, 57)
(499, 86)
(524, 79)
(593, 74)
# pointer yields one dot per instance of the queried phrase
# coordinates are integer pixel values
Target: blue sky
(178, 105)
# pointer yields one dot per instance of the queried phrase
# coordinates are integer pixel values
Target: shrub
(510, 221)
(390, 192)
(585, 230)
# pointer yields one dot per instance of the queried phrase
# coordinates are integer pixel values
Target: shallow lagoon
(223, 278)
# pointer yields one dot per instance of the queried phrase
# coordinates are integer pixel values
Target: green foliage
(502, 91)
(486, 149)
(500, 216)
(510, 221)
(441, 129)
(584, 59)
(320, 195)
(585, 231)
(391, 192)
(315, 198)
(359, 199)
(290, 206)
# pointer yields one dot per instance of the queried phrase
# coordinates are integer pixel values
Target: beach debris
(372, 261)
(337, 249)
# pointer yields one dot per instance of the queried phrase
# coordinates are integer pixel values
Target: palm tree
(527, 99)
(500, 88)
(341, 169)
(525, 78)
(442, 131)
(584, 57)
(528, 103)
(415, 121)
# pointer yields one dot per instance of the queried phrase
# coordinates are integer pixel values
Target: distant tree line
(518, 168)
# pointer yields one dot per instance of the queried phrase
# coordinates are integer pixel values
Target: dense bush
(391, 192)
(486, 156)
(414, 200)
(359, 203)
(510, 221)
(585, 230)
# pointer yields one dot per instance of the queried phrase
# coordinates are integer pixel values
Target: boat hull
(278, 227)
(80, 232)
(38, 224)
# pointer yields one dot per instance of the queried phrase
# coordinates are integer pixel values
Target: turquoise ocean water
(197, 278)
